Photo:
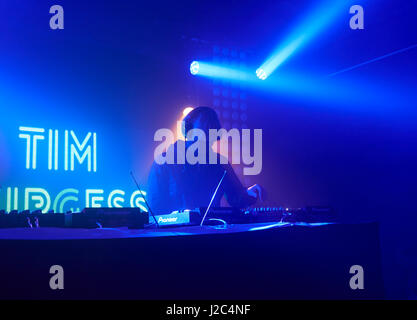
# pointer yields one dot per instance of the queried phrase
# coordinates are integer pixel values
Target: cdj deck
(240, 216)
(134, 218)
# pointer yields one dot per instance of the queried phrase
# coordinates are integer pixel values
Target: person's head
(203, 118)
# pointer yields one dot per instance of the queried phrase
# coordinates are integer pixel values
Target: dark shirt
(186, 186)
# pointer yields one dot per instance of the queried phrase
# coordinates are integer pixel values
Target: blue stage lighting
(346, 93)
(194, 67)
(311, 26)
(261, 74)
(210, 70)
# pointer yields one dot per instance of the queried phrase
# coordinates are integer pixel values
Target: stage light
(194, 67)
(309, 87)
(261, 74)
(309, 28)
(186, 111)
(205, 69)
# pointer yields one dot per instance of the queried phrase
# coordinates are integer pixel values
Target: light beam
(310, 27)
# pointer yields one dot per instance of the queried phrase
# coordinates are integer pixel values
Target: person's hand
(256, 191)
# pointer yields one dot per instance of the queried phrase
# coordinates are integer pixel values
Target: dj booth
(247, 261)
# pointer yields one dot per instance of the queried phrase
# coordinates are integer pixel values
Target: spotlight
(220, 71)
(187, 110)
(314, 23)
(261, 74)
(194, 67)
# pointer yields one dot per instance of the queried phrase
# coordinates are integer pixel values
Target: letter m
(81, 151)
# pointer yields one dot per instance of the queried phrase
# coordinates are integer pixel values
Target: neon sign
(40, 199)
(70, 152)
(73, 149)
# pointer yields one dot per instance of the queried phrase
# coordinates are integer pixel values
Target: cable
(373, 60)
(143, 196)
(212, 198)
(224, 226)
